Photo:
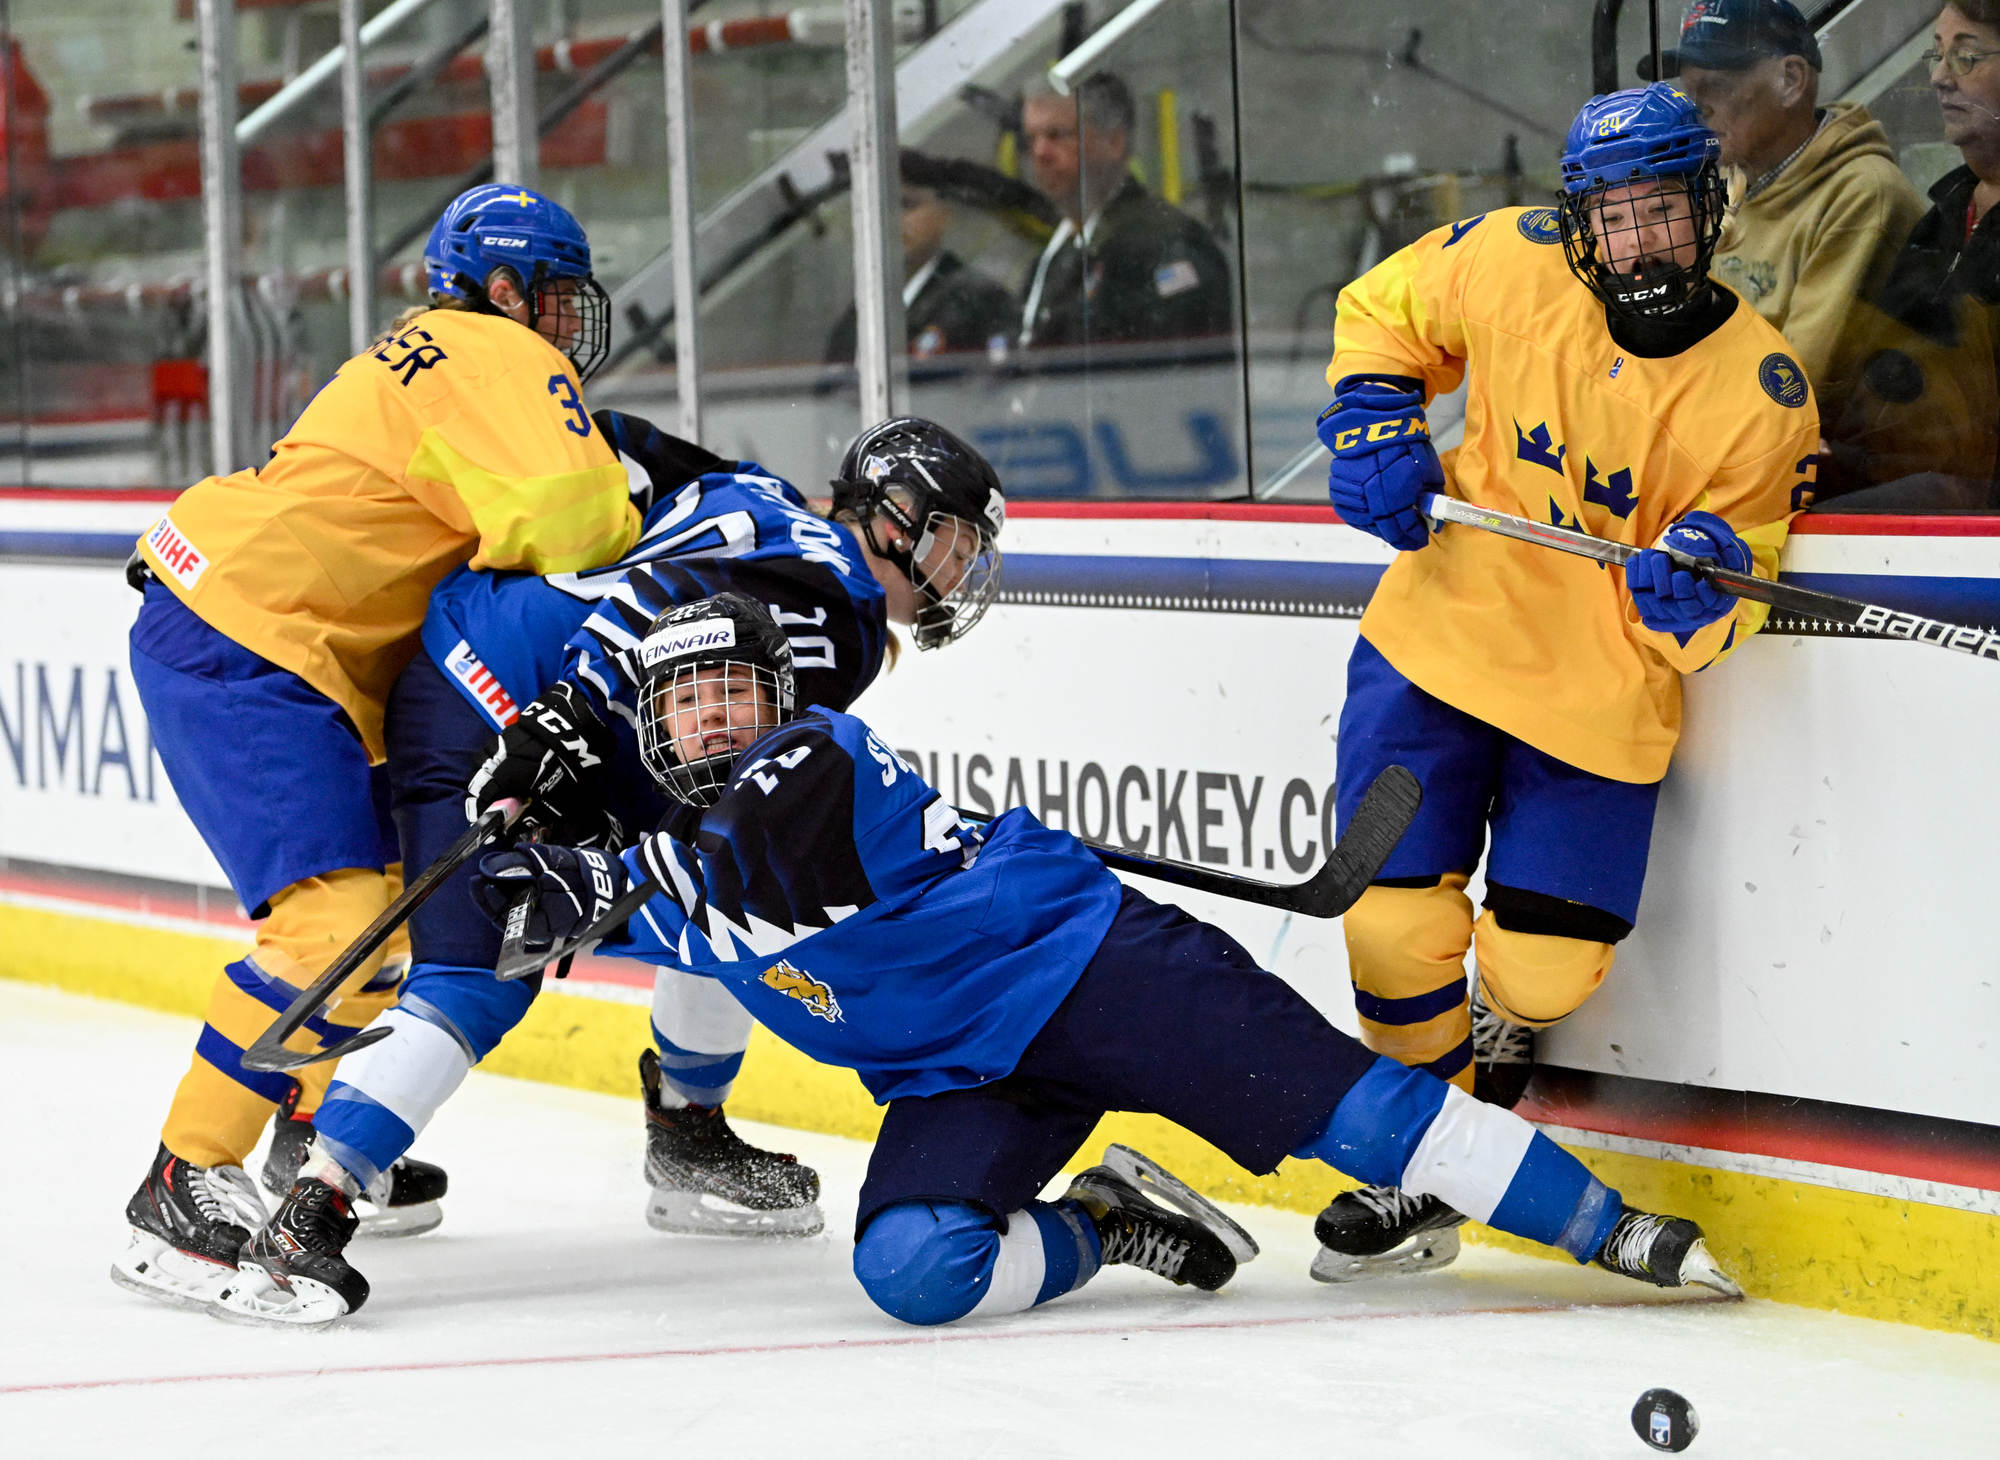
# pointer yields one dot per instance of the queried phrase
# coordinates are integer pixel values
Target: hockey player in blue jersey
(912, 539)
(1000, 991)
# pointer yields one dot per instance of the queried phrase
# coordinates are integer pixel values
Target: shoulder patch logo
(1540, 225)
(1782, 380)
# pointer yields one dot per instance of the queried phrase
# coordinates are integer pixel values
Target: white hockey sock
(701, 1032)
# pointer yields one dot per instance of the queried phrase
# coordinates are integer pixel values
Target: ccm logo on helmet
(672, 643)
(496, 240)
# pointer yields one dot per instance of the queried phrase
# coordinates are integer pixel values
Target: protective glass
(696, 720)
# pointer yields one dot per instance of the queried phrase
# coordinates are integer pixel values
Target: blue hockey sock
(445, 1022)
(698, 1078)
(1407, 1128)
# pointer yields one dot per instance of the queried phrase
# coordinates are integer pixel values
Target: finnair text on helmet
(684, 639)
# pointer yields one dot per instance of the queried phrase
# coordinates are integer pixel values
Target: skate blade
(152, 1266)
(256, 1300)
(405, 1221)
(1156, 1181)
(1424, 1252)
(697, 1214)
(1700, 1266)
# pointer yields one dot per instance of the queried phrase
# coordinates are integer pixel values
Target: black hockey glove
(573, 888)
(554, 756)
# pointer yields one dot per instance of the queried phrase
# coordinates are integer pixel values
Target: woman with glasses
(1925, 417)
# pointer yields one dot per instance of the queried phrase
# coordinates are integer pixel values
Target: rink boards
(1797, 1046)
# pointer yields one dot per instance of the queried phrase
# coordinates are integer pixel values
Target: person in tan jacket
(1817, 206)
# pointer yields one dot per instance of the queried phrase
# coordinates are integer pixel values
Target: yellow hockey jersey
(1564, 426)
(463, 437)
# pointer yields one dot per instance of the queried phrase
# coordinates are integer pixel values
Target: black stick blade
(279, 1059)
(1385, 813)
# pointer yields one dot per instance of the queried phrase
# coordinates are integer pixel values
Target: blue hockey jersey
(858, 918)
(709, 525)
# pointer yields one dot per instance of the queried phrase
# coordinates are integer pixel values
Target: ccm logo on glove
(1378, 432)
(1383, 460)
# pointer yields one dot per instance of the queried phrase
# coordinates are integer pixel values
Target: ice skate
(1503, 1055)
(1379, 1231)
(188, 1225)
(708, 1181)
(292, 1272)
(404, 1201)
(1668, 1252)
(1194, 1244)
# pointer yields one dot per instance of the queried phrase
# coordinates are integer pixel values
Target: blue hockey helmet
(1623, 141)
(540, 245)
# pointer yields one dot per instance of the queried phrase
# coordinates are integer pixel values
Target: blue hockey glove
(1383, 460)
(573, 888)
(1672, 599)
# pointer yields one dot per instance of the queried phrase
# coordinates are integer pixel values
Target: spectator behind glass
(1925, 414)
(947, 305)
(1123, 264)
(1817, 205)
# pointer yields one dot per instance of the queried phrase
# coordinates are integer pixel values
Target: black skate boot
(403, 1201)
(708, 1181)
(1195, 1245)
(188, 1224)
(1668, 1252)
(1503, 1055)
(1379, 1231)
(292, 1272)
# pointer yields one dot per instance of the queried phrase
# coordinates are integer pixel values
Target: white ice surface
(544, 1318)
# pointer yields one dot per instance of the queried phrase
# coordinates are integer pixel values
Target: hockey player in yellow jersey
(1611, 388)
(279, 604)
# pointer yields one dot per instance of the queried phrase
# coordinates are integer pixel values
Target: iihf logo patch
(1540, 225)
(1782, 380)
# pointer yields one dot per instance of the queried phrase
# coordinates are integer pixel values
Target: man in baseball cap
(1817, 205)
(1734, 35)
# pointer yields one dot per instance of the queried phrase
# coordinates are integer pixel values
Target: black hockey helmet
(749, 687)
(945, 499)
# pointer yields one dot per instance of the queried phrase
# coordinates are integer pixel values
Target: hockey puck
(1664, 1420)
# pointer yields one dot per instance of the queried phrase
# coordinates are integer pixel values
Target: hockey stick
(514, 955)
(268, 1052)
(1379, 822)
(1870, 618)
(517, 962)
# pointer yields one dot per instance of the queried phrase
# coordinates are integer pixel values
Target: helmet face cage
(944, 499)
(1663, 288)
(966, 561)
(584, 312)
(722, 701)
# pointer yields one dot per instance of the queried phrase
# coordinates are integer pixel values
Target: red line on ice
(832, 1344)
